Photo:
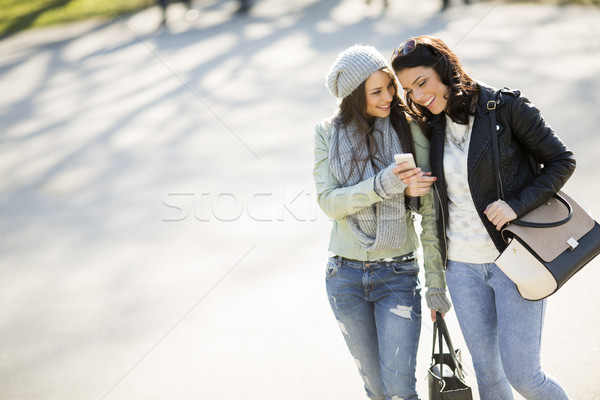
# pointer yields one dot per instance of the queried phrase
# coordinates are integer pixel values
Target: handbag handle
(440, 325)
(548, 224)
(491, 106)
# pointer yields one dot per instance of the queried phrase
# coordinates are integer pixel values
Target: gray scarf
(381, 226)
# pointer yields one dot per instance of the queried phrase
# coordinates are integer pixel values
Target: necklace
(458, 133)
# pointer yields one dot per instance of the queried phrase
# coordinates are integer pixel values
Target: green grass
(18, 15)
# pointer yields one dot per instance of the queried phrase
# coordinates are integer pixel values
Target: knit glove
(436, 299)
(387, 183)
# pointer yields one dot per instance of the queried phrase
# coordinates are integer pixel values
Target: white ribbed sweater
(468, 240)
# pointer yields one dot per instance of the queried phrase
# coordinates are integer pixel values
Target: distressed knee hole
(402, 311)
(334, 300)
(365, 377)
(343, 328)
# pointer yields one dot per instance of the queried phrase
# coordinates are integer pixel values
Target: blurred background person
(446, 3)
(163, 5)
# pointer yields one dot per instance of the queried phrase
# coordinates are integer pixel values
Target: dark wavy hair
(353, 108)
(464, 90)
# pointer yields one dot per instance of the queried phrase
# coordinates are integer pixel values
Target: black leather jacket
(526, 142)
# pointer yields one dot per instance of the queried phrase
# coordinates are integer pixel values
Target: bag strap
(440, 326)
(491, 106)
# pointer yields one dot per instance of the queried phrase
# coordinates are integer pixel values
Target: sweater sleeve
(338, 202)
(538, 138)
(432, 254)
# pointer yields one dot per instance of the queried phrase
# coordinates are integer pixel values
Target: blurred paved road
(160, 233)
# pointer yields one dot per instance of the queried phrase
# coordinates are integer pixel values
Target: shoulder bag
(548, 245)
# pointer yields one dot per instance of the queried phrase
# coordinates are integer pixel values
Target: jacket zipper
(437, 192)
(499, 174)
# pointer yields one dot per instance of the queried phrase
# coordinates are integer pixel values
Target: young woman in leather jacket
(501, 329)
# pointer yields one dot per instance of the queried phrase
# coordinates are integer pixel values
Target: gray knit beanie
(352, 67)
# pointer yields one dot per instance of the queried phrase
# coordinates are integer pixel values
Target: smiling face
(379, 93)
(424, 87)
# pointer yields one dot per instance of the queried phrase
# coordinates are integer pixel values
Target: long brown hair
(464, 90)
(353, 108)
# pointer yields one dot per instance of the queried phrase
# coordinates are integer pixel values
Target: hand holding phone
(419, 182)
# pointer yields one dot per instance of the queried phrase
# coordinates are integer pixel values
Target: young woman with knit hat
(501, 329)
(372, 274)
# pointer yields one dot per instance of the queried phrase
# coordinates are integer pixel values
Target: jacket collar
(485, 96)
(481, 137)
(480, 134)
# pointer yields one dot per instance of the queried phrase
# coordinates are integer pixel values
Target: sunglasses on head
(407, 47)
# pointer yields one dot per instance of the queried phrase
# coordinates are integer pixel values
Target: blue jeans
(378, 308)
(502, 331)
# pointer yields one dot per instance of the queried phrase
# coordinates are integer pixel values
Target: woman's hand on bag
(499, 213)
(433, 314)
(437, 300)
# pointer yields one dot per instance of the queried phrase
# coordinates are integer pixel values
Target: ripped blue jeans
(378, 308)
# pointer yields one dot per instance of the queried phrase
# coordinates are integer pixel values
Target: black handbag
(548, 245)
(446, 375)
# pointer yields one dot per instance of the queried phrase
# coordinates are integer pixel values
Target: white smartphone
(405, 157)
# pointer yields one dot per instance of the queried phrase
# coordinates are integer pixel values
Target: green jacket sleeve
(335, 201)
(432, 255)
